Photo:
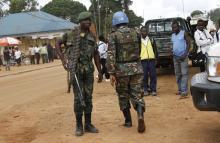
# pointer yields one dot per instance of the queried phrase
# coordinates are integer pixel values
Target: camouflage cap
(84, 15)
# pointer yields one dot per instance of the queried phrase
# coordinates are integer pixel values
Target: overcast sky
(151, 9)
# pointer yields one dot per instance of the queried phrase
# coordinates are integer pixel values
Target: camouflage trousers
(86, 79)
(129, 89)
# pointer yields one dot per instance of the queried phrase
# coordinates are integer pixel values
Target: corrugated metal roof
(32, 22)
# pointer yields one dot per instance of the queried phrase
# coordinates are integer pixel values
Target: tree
(103, 13)
(2, 12)
(196, 12)
(31, 5)
(107, 8)
(66, 9)
(16, 6)
(214, 15)
(134, 20)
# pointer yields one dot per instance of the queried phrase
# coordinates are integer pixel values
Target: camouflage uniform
(124, 63)
(81, 49)
(81, 52)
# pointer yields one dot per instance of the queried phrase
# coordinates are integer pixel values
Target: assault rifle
(63, 54)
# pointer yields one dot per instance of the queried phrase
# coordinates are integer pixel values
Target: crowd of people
(44, 52)
(127, 58)
(11, 56)
(14, 56)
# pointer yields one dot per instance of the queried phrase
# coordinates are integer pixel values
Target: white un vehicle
(205, 87)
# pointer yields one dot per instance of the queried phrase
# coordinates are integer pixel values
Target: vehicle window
(165, 26)
(168, 26)
(160, 27)
(152, 27)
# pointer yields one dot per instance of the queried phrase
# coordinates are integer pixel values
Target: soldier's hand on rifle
(100, 77)
(113, 80)
(65, 66)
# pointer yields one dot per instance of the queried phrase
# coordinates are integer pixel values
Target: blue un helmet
(119, 18)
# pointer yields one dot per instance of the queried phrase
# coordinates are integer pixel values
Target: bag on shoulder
(198, 59)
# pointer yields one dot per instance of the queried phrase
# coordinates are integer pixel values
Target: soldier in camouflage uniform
(125, 69)
(82, 49)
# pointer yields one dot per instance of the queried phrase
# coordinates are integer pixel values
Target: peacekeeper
(125, 69)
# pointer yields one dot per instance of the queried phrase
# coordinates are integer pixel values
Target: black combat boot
(79, 125)
(88, 126)
(141, 124)
(127, 115)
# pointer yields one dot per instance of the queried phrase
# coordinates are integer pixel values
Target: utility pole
(94, 13)
(99, 6)
(183, 8)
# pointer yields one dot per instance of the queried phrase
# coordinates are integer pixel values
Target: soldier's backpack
(127, 45)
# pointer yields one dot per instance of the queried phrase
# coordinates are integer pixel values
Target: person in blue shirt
(181, 44)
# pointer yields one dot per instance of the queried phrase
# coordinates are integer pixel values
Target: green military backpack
(127, 45)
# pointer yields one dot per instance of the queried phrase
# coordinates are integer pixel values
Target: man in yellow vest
(148, 60)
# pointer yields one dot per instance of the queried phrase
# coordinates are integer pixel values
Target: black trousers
(32, 59)
(202, 67)
(104, 69)
(37, 56)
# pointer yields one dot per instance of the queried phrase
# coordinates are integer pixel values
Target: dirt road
(35, 108)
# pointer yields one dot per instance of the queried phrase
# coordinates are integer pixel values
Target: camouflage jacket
(81, 48)
(122, 68)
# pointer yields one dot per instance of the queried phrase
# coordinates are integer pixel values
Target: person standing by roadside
(203, 41)
(103, 48)
(125, 69)
(50, 52)
(32, 54)
(43, 53)
(12, 54)
(7, 58)
(82, 49)
(18, 56)
(181, 46)
(148, 60)
(37, 54)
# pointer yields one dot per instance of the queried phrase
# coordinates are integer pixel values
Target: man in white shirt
(18, 56)
(203, 40)
(32, 54)
(37, 54)
(103, 48)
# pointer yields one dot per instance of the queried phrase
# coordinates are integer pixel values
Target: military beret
(84, 15)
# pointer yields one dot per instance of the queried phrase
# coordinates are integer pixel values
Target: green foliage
(31, 5)
(215, 15)
(66, 9)
(196, 12)
(107, 9)
(16, 6)
(3, 12)
(134, 20)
